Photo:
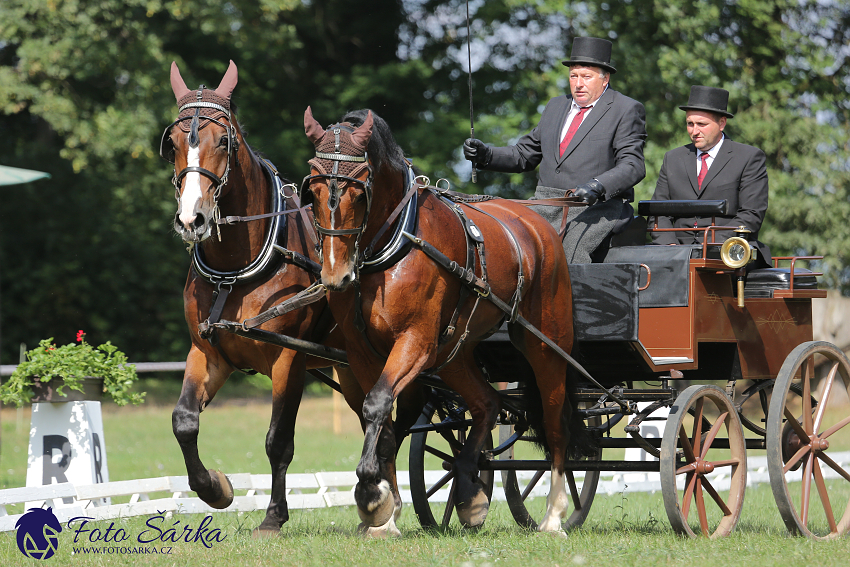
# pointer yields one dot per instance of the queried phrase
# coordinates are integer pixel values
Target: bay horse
(406, 319)
(260, 253)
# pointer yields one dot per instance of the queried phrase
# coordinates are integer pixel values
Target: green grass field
(622, 529)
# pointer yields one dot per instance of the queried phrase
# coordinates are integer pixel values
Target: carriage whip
(469, 60)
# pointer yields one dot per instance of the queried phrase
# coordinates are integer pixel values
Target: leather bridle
(335, 182)
(166, 146)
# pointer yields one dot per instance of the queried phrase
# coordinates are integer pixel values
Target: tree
(84, 95)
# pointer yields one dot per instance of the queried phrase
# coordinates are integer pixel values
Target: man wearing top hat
(713, 167)
(590, 141)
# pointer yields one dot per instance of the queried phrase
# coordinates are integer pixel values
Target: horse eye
(360, 198)
(222, 142)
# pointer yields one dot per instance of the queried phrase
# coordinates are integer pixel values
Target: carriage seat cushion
(760, 283)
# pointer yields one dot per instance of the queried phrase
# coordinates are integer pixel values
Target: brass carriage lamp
(736, 253)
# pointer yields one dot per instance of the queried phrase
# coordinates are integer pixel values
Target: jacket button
(558, 170)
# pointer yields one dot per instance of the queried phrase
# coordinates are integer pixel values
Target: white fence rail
(304, 491)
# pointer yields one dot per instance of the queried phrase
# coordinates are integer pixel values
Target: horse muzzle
(196, 230)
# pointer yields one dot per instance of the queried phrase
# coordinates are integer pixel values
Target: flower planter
(46, 391)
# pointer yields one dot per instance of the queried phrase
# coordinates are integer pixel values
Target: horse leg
(373, 490)
(386, 451)
(550, 372)
(464, 377)
(201, 381)
(287, 387)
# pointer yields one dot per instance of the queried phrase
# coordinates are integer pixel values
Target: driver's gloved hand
(477, 152)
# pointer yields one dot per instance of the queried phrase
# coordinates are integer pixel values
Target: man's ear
(722, 123)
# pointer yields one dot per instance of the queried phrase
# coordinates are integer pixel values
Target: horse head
(340, 188)
(202, 143)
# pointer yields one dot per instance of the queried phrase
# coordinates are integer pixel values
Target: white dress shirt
(712, 153)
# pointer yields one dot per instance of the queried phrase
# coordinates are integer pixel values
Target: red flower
(80, 335)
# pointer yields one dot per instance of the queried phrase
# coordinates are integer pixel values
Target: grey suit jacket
(738, 174)
(608, 146)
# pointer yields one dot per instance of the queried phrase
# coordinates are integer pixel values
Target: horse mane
(383, 149)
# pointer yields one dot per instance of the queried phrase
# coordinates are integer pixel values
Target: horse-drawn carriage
(650, 318)
(418, 303)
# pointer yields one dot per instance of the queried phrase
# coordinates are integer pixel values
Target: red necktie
(702, 170)
(573, 127)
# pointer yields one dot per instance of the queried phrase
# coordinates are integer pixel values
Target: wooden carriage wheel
(516, 492)
(800, 437)
(690, 452)
(444, 443)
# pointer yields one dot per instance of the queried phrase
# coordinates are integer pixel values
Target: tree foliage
(84, 95)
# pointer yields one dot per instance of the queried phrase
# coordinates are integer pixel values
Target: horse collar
(263, 262)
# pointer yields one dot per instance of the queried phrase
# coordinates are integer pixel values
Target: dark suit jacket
(608, 146)
(738, 174)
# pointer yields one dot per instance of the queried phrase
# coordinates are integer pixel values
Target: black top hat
(708, 98)
(591, 51)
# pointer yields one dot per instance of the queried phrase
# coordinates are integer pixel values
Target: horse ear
(178, 85)
(313, 129)
(363, 134)
(228, 83)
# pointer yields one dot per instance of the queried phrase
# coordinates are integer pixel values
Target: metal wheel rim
(419, 489)
(795, 512)
(698, 463)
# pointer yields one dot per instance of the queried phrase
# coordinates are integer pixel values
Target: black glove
(477, 152)
(590, 192)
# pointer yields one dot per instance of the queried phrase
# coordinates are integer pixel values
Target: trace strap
(482, 288)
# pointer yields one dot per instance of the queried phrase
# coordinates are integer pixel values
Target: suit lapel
(560, 127)
(690, 167)
(723, 157)
(602, 106)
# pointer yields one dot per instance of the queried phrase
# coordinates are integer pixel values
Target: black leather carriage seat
(761, 283)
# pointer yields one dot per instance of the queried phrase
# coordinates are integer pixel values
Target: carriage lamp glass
(736, 252)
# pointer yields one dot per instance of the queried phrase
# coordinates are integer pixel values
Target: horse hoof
(473, 513)
(380, 511)
(386, 531)
(261, 533)
(559, 533)
(225, 488)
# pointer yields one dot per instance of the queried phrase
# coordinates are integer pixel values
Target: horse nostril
(200, 221)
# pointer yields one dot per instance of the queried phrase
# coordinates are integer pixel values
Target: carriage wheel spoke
(834, 466)
(765, 403)
(824, 497)
(807, 394)
(698, 424)
(571, 482)
(689, 468)
(725, 463)
(455, 444)
(797, 456)
(835, 427)
(827, 390)
(689, 492)
(807, 490)
(703, 517)
(450, 506)
(716, 497)
(686, 445)
(440, 484)
(437, 453)
(532, 483)
(715, 429)
(798, 429)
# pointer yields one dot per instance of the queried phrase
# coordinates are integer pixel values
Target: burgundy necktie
(702, 170)
(573, 127)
